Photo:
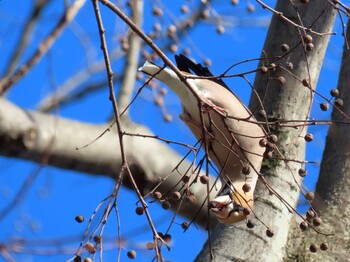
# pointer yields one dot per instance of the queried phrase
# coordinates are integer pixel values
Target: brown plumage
(232, 141)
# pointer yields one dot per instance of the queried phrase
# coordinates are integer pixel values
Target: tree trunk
(288, 101)
(333, 186)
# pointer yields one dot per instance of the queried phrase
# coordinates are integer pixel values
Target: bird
(226, 128)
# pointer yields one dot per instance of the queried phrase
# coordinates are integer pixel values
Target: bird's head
(231, 208)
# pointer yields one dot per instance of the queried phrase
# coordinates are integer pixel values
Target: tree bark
(333, 186)
(288, 101)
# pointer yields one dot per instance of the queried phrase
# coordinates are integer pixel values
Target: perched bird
(230, 133)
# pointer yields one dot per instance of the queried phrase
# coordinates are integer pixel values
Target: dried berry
(281, 80)
(246, 170)
(139, 211)
(310, 214)
(262, 113)
(191, 199)
(317, 221)
(285, 48)
(168, 117)
(166, 204)
(263, 69)
(220, 29)
(176, 195)
(339, 102)
(90, 248)
(185, 225)
(246, 187)
(273, 138)
(204, 179)
(173, 48)
(184, 9)
(308, 137)
(310, 47)
(98, 239)
(131, 254)
(302, 172)
(250, 224)
(303, 225)
(246, 211)
(324, 106)
(157, 11)
(308, 38)
(150, 245)
(305, 83)
(263, 142)
(269, 233)
(167, 238)
(313, 248)
(77, 259)
(79, 218)
(205, 14)
(185, 179)
(324, 246)
(334, 92)
(251, 8)
(157, 195)
(310, 196)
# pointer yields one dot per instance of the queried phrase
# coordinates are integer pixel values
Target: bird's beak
(227, 209)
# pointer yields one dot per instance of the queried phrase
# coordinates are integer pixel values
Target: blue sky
(56, 196)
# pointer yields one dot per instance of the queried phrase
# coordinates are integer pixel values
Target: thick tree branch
(27, 135)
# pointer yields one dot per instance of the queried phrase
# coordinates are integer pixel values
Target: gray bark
(333, 186)
(290, 101)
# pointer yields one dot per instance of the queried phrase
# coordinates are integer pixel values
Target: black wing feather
(187, 65)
